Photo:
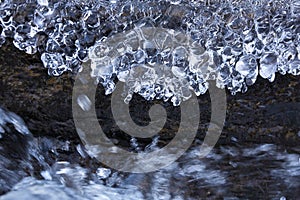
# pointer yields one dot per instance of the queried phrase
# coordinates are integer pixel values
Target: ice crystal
(233, 41)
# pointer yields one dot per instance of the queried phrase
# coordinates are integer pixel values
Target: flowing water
(45, 168)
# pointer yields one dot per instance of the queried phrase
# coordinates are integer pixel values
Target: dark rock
(268, 112)
(284, 113)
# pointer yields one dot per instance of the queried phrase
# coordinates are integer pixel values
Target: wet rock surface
(268, 112)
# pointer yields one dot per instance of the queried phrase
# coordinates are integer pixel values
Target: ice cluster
(153, 62)
(161, 49)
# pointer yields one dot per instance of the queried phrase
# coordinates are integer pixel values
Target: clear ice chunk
(294, 67)
(54, 62)
(183, 43)
(247, 67)
(42, 2)
(295, 7)
(268, 66)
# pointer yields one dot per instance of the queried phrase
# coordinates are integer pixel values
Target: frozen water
(42, 2)
(157, 69)
(230, 42)
(268, 66)
(295, 7)
(54, 62)
(294, 67)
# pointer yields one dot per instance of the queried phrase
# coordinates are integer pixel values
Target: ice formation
(234, 41)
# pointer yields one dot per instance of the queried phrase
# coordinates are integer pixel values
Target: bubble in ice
(228, 42)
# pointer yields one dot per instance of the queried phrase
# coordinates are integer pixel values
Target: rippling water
(47, 168)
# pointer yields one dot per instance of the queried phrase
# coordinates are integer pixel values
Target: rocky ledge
(266, 113)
